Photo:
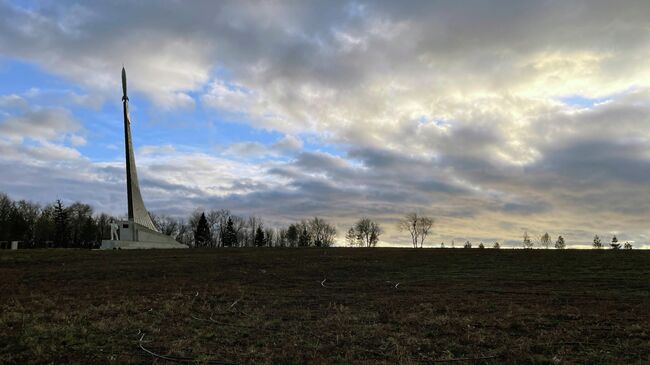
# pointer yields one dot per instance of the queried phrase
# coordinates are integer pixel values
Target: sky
(493, 117)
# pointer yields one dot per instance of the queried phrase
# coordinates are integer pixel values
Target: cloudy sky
(495, 117)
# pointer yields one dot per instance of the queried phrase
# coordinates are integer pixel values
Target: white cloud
(286, 146)
(156, 150)
(35, 134)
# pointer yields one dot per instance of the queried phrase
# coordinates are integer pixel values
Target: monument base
(138, 245)
(135, 236)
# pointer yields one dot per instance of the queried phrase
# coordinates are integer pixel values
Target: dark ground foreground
(272, 306)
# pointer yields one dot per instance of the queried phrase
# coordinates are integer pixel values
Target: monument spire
(138, 231)
(136, 209)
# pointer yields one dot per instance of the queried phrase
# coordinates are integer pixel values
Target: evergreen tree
(496, 245)
(6, 209)
(627, 246)
(61, 229)
(303, 239)
(615, 245)
(481, 245)
(259, 237)
(229, 236)
(559, 244)
(597, 242)
(292, 235)
(468, 244)
(202, 234)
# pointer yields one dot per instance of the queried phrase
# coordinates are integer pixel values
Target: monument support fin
(137, 212)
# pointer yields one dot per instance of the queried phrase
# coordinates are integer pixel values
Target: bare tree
(417, 226)
(281, 238)
(252, 225)
(410, 224)
(321, 232)
(185, 233)
(527, 242)
(166, 224)
(545, 240)
(217, 220)
(239, 224)
(424, 225)
(367, 232)
(269, 236)
(351, 237)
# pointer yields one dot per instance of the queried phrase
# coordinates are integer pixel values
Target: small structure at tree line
(138, 231)
(9, 245)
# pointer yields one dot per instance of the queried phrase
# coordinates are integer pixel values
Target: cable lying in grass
(178, 359)
(393, 285)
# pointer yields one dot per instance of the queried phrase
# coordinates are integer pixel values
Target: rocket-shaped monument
(137, 211)
(138, 231)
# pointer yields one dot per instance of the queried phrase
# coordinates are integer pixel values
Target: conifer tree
(229, 237)
(61, 229)
(303, 238)
(259, 237)
(202, 233)
(597, 242)
(292, 235)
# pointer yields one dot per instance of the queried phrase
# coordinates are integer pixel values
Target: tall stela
(137, 211)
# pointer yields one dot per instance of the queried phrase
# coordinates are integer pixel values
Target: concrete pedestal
(134, 236)
(137, 245)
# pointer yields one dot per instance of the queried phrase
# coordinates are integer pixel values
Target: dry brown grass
(267, 306)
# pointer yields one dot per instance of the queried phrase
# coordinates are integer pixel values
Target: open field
(279, 306)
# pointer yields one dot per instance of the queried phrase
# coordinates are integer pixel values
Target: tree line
(52, 225)
(221, 228)
(78, 226)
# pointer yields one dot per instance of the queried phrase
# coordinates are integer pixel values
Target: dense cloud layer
(495, 117)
